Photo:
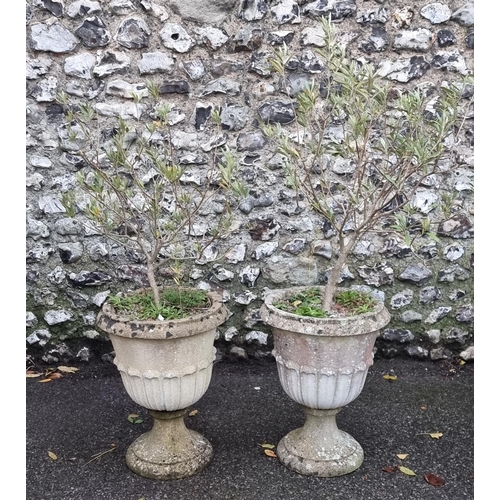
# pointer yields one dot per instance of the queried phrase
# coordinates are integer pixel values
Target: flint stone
(410, 316)
(453, 252)
(248, 276)
(155, 62)
(57, 275)
(395, 248)
(56, 317)
(334, 9)
(236, 254)
(457, 295)
(469, 41)
(437, 314)
(41, 337)
(121, 88)
(175, 37)
(55, 7)
(415, 351)
(465, 314)
(280, 37)
(404, 70)
(256, 336)
(88, 278)
(429, 294)
(377, 275)
(310, 63)
(458, 226)
(416, 273)
(428, 251)
(253, 10)
(259, 63)
(322, 249)
(244, 298)
(455, 335)
(53, 38)
(202, 11)
(31, 319)
(201, 115)
(433, 336)
(133, 33)
(36, 229)
(233, 117)
(440, 353)
(213, 38)
(111, 62)
(417, 39)
(286, 11)
(80, 65)
(312, 35)
(424, 201)
(51, 204)
(436, 13)
(82, 8)
(450, 61)
(37, 67)
(402, 299)
(194, 69)
(121, 7)
(295, 246)
(45, 90)
(468, 354)
(70, 252)
(277, 112)
(223, 274)
(264, 229)
(378, 41)
(265, 250)
(221, 86)
(445, 38)
(373, 16)
(253, 201)
(247, 40)
(125, 110)
(93, 33)
(174, 87)
(252, 141)
(452, 273)
(464, 16)
(397, 335)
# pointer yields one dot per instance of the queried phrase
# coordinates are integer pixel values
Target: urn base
(319, 448)
(169, 450)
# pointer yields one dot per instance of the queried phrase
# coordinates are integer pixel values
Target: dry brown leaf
(436, 435)
(270, 453)
(54, 376)
(390, 377)
(268, 446)
(67, 369)
(33, 374)
(424, 407)
(390, 470)
(45, 380)
(406, 471)
(193, 413)
(402, 456)
(433, 479)
(52, 455)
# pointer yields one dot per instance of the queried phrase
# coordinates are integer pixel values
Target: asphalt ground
(78, 431)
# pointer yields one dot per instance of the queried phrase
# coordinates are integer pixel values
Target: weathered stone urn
(322, 365)
(166, 367)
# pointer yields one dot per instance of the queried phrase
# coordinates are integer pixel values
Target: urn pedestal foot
(319, 448)
(169, 450)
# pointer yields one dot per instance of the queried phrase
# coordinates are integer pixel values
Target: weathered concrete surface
(81, 415)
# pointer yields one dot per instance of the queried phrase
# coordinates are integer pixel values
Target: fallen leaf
(67, 369)
(390, 470)
(268, 446)
(406, 471)
(296, 303)
(402, 456)
(133, 418)
(270, 453)
(45, 380)
(52, 455)
(423, 407)
(433, 479)
(390, 377)
(462, 362)
(192, 413)
(54, 376)
(33, 374)
(436, 435)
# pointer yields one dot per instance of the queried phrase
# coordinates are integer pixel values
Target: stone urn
(322, 365)
(166, 367)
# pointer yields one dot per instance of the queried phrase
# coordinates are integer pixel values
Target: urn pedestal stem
(169, 450)
(319, 448)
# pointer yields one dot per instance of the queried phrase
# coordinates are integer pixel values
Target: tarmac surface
(82, 420)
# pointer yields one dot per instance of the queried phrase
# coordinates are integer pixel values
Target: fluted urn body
(322, 365)
(166, 366)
